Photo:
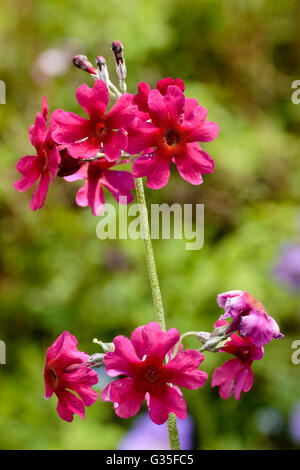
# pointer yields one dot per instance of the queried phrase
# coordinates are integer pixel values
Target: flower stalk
(156, 293)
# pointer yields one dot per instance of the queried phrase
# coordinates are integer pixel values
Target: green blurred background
(238, 58)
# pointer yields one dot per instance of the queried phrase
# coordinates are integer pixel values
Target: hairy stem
(157, 299)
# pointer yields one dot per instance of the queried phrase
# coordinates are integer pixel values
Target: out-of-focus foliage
(238, 58)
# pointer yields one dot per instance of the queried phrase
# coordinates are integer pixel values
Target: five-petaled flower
(249, 317)
(235, 375)
(177, 125)
(97, 174)
(66, 369)
(44, 164)
(101, 132)
(142, 360)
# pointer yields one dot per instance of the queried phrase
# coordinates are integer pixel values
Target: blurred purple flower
(287, 269)
(145, 435)
(295, 424)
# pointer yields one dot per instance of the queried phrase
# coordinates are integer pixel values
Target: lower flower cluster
(152, 364)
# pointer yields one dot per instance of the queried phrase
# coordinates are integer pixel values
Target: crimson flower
(177, 125)
(98, 175)
(65, 371)
(101, 132)
(235, 375)
(41, 166)
(141, 361)
(249, 317)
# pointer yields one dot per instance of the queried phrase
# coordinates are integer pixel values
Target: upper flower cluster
(152, 128)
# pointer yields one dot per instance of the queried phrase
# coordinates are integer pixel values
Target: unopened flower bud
(117, 48)
(82, 63)
(96, 360)
(102, 68)
(107, 347)
(202, 336)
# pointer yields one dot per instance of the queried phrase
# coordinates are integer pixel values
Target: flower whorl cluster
(152, 129)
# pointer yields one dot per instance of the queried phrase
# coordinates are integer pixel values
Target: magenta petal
(29, 168)
(87, 394)
(113, 146)
(68, 127)
(122, 113)
(138, 341)
(68, 405)
(175, 101)
(38, 132)
(93, 100)
(65, 339)
(82, 196)
(155, 167)
(79, 175)
(141, 137)
(53, 161)
(169, 400)
(95, 193)
(126, 398)
(48, 391)
(157, 108)
(141, 99)
(45, 108)
(164, 83)
(88, 148)
(122, 359)
(183, 370)
(244, 381)
(193, 163)
(158, 342)
(224, 377)
(260, 327)
(40, 192)
(119, 183)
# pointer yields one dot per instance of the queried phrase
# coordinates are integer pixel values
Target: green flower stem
(157, 299)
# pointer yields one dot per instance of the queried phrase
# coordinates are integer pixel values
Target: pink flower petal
(45, 108)
(113, 146)
(122, 113)
(163, 84)
(40, 192)
(157, 108)
(224, 377)
(119, 183)
(82, 196)
(138, 342)
(38, 132)
(69, 128)
(175, 102)
(53, 161)
(156, 168)
(183, 370)
(158, 342)
(167, 401)
(29, 167)
(193, 163)
(141, 99)
(123, 359)
(141, 137)
(93, 100)
(68, 405)
(88, 148)
(95, 193)
(244, 381)
(126, 398)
